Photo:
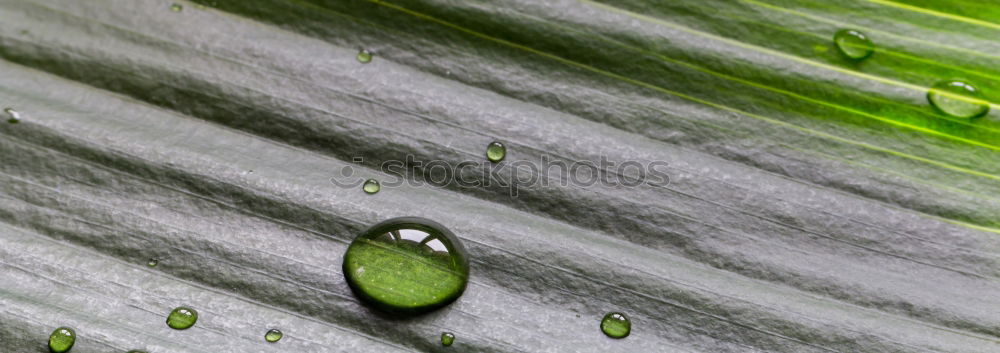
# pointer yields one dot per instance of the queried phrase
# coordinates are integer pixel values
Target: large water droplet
(447, 338)
(371, 186)
(616, 325)
(958, 99)
(182, 318)
(364, 56)
(13, 116)
(853, 44)
(61, 340)
(273, 335)
(176, 7)
(496, 151)
(407, 265)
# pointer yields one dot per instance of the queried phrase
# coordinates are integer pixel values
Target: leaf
(815, 204)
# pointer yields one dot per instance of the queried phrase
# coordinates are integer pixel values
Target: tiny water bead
(853, 44)
(616, 325)
(371, 186)
(176, 7)
(407, 265)
(62, 339)
(13, 116)
(273, 335)
(182, 318)
(447, 338)
(496, 151)
(364, 56)
(152, 262)
(958, 99)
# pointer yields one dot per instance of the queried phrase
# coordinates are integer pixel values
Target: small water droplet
(447, 338)
(62, 339)
(364, 56)
(407, 253)
(273, 335)
(616, 325)
(152, 262)
(176, 7)
(13, 116)
(496, 151)
(371, 186)
(182, 318)
(958, 99)
(853, 44)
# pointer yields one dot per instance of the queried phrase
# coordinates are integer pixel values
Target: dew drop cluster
(953, 97)
(411, 265)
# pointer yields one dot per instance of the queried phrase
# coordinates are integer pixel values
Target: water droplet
(13, 116)
(182, 318)
(371, 186)
(616, 325)
(62, 339)
(152, 262)
(853, 44)
(447, 338)
(958, 99)
(364, 56)
(496, 152)
(273, 335)
(176, 7)
(407, 265)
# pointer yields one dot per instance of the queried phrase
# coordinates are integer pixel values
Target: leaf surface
(814, 204)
